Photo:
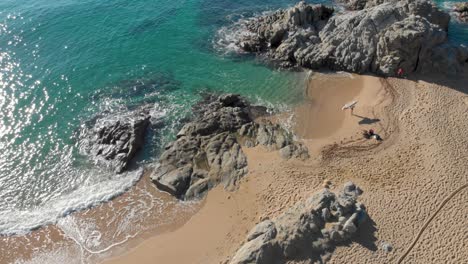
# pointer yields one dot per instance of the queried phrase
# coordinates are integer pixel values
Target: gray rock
(115, 138)
(266, 228)
(351, 189)
(173, 180)
(382, 37)
(363, 4)
(297, 150)
(275, 137)
(300, 230)
(387, 247)
(206, 152)
(326, 214)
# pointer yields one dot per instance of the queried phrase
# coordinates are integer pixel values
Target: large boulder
(307, 230)
(114, 139)
(381, 38)
(206, 152)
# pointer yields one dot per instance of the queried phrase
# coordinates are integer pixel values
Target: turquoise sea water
(64, 61)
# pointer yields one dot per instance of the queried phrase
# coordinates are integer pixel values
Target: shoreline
(85, 235)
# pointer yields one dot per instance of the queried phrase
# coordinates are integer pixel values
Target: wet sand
(91, 235)
(324, 98)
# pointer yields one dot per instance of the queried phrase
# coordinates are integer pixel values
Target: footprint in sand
(465, 99)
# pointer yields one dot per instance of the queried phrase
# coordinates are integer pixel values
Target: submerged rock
(114, 139)
(307, 230)
(381, 38)
(208, 152)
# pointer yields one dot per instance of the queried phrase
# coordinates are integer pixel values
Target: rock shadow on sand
(366, 235)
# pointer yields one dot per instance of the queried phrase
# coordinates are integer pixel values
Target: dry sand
(422, 159)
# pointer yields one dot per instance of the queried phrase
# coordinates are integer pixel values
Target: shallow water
(64, 61)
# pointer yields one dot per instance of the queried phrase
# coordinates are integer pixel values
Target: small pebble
(387, 247)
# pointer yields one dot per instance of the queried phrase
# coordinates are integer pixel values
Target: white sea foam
(92, 238)
(87, 195)
(227, 37)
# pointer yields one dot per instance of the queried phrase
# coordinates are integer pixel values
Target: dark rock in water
(304, 230)
(461, 10)
(381, 38)
(208, 152)
(285, 31)
(114, 140)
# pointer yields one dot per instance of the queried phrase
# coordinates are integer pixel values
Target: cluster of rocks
(307, 230)
(114, 139)
(461, 10)
(208, 150)
(382, 37)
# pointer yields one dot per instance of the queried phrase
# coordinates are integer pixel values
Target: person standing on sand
(350, 106)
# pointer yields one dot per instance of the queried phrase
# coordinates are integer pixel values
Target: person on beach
(350, 106)
(400, 72)
(371, 134)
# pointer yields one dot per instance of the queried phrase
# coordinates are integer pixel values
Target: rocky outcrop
(307, 230)
(461, 10)
(114, 139)
(406, 34)
(208, 150)
(283, 32)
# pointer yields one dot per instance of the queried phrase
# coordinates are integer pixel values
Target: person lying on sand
(371, 134)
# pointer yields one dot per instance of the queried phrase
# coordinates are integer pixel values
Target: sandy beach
(405, 178)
